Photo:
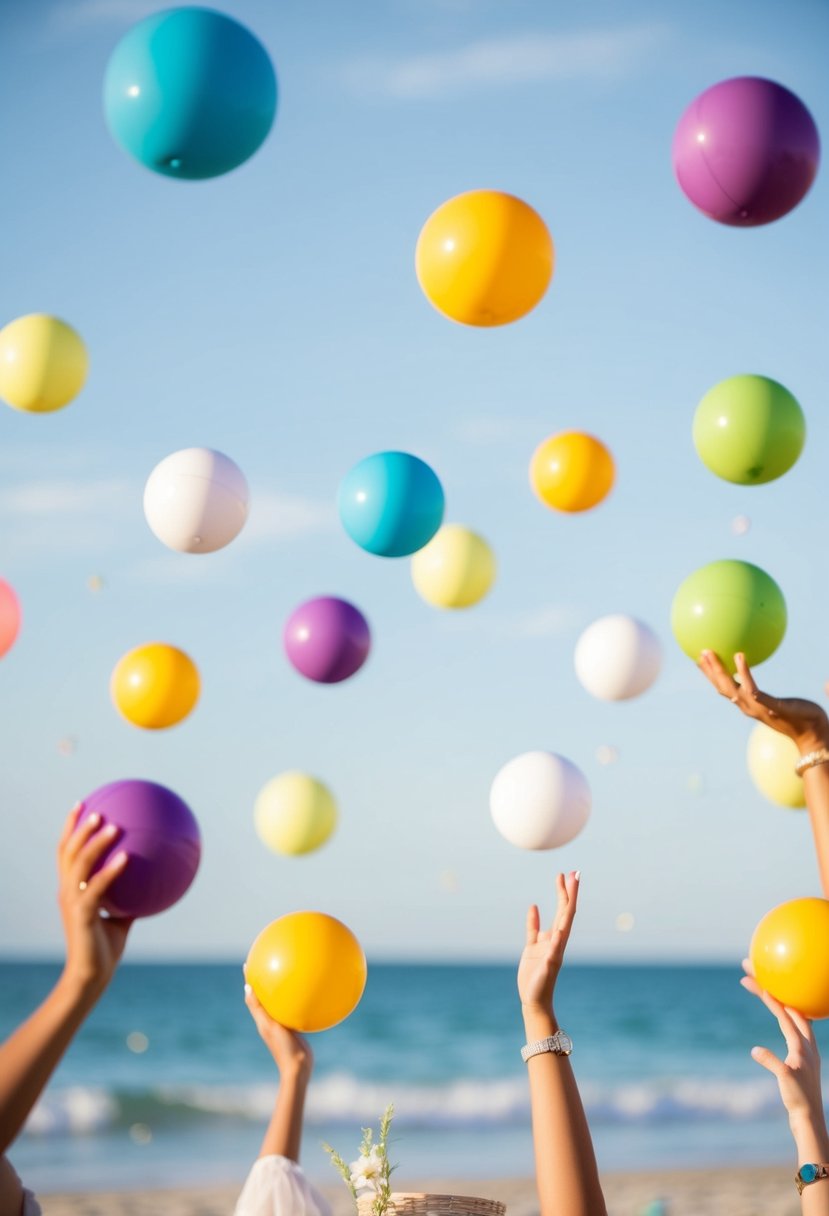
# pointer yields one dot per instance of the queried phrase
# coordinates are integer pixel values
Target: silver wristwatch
(560, 1044)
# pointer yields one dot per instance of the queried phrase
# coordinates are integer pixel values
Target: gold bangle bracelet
(821, 756)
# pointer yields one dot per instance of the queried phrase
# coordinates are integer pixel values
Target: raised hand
(94, 943)
(291, 1051)
(803, 721)
(544, 950)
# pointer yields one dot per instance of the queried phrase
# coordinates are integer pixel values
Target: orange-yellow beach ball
(790, 955)
(572, 471)
(155, 686)
(484, 258)
(308, 970)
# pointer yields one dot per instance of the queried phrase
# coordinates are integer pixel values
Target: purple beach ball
(160, 834)
(327, 639)
(746, 151)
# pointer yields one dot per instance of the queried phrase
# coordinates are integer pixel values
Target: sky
(274, 314)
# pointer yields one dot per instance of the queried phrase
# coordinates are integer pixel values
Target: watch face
(565, 1043)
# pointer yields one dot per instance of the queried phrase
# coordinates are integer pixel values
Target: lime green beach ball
(749, 430)
(729, 607)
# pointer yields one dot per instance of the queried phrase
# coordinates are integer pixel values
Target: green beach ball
(729, 607)
(749, 430)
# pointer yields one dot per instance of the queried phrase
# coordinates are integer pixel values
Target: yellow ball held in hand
(789, 955)
(295, 814)
(155, 686)
(43, 363)
(484, 258)
(572, 471)
(771, 758)
(455, 569)
(308, 970)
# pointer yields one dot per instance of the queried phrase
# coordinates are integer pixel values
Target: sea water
(168, 1082)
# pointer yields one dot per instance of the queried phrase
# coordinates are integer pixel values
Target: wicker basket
(404, 1203)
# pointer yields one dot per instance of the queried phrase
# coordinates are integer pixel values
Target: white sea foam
(342, 1098)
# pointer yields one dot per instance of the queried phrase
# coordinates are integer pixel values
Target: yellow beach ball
(455, 570)
(308, 970)
(295, 814)
(43, 363)
(788, 952)
(572, 471)
(771, 758)
(155, 686)
(484, 258)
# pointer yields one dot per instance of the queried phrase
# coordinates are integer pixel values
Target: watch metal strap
(554, 1043)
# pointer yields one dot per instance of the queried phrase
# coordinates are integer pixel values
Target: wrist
(810, 1135)
(80, 988)
(539, 1021)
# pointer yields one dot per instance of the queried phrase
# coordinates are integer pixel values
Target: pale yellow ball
(295, 814)
(771, 758)
(455, 570)
(43, 363)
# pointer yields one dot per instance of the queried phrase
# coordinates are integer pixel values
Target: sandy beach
(742, 1191)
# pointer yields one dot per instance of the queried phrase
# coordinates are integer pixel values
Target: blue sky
(274, 314)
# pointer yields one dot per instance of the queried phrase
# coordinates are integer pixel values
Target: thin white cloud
(520, 59)
(483, 430)
(64, 517)
(550, 620)
(279, 516)
(35, 499)
(77, 14)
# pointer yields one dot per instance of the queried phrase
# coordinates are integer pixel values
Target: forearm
(566, 1171)
(812, 1142)
(29, 1057)
(284, 1134)
(816, 789)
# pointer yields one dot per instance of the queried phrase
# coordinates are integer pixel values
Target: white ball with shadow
(617, 658)
(540, 800)
(196, 500)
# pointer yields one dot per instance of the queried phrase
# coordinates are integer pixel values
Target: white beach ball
(617, 657)
(539, 801)
(196, 500)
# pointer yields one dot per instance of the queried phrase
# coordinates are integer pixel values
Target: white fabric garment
(278, 1187)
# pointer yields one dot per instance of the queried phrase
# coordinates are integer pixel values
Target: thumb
(768, 1060)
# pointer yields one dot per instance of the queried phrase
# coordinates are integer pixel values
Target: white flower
(367, 1171)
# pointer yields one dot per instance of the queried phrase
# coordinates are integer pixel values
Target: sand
(742, 1191)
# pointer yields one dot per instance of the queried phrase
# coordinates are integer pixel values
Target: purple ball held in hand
(327, 639)
(746, 151)
(159, 833)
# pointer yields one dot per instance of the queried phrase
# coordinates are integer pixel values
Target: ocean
(168, 1082)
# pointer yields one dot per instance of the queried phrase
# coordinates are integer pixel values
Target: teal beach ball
(189, 93)
(391, 504)
(730, 607)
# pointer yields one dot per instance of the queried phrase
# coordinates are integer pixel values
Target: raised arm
(798, 1077)
(93, 947)
(295, 1061)
(565, 1164)
(804, 722)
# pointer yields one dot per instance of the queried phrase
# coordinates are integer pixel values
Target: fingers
(77, 838)
(93, 848)
(790, 1030)
(533, 923)
(768, 1060)
(712, 668)
(69, 826)
(568, 889)
(748, 967)
(750, 690)
(99, 883)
